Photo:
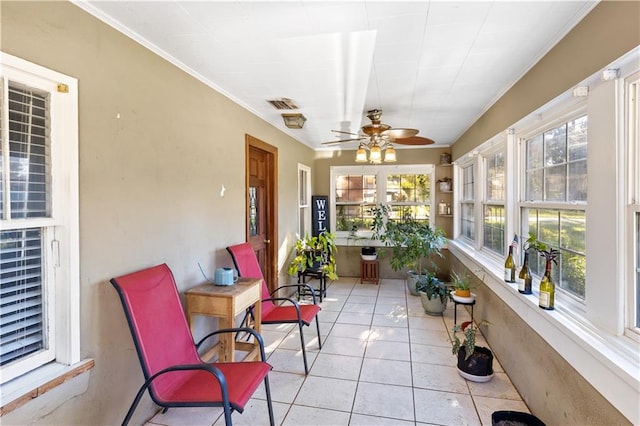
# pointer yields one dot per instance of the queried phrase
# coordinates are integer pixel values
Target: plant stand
(320, 291)
(455, 309)
(369, 271)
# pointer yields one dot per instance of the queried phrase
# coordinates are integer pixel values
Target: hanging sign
(319, 214)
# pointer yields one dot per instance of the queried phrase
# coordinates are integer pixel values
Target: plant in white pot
(433, 294)
(413, 243)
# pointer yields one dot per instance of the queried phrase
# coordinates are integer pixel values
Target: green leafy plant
(412, 241)
(320, 250)
(550, 254)
(432, 286)
(460, 282)
(469, 329)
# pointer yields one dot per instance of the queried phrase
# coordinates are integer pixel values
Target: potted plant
(433, 294)
(412, 243)
(547, 288)
(462, 286)
(475, 363)
(315, 252)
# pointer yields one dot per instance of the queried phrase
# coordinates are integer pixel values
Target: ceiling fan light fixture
(361, 154)
(390, 154)
(375, 154)
(294, 121)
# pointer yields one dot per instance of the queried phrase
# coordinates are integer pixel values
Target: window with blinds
(25, 191)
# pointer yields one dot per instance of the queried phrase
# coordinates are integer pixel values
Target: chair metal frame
(289, 311)
(254, 372)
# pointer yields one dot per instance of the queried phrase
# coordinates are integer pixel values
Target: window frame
(632, 205)
(304, 200)
(574, 110)
(61, 231)
(496, 145)
(381, 172)
(470, 162)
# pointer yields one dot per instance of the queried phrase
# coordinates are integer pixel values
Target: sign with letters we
(319, 214)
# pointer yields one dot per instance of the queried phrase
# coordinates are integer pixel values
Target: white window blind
(26, 186)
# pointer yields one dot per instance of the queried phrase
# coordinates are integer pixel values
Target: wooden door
(261, 205)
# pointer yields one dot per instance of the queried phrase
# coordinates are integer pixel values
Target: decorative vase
(433, 306)
(479, 366)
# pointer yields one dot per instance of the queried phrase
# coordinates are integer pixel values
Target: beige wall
(609, 31)
(150, 185)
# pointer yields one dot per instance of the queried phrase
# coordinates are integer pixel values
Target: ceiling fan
(378, 136)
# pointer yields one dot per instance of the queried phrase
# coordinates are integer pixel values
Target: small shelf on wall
(445, 215)
(446, 192)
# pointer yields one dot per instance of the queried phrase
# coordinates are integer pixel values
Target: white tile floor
(383, 362)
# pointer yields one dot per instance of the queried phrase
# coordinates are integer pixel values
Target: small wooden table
(369, 271)
(225, 303)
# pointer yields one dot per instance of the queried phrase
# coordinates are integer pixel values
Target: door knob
(267, 241)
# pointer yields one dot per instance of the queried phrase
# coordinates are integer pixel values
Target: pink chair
(173, 371)
(291, 312)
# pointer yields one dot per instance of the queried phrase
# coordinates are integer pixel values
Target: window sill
(25, 388)
(607, 361)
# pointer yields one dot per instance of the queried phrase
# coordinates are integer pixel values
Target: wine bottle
(510, 267)
(547, 288)
(524, 278)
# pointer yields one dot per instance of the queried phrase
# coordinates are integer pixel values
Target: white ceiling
(435, 66)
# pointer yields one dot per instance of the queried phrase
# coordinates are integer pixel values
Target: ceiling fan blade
(415, 140)
(399, 133)
(345, 133)
(343, 140)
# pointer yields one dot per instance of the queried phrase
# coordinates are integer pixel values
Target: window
(493, 210)
(467, 203)
(356, 190)
(38, 216)
(304, 200)
(633, 217)
(555, 196)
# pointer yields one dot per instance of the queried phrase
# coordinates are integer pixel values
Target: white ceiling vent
(283, 103)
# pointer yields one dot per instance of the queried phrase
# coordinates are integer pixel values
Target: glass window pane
(572, 230)
(577, 138)
(565, 231)
(577, 181)
(534, 153)
(493, 228)
(468, 221)
(555, 183)
(534, 185)
(555, 146)
(407, 188)
(467, 183)
(571, 270)
(495, 177)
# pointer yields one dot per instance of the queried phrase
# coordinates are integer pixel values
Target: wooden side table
(225, 303)
(369, 271)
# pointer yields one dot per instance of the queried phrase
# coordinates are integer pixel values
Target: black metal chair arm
(251, 331)
(309, 289)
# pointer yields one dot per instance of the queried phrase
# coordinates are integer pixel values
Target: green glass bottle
(524, 278)
(547, 289)
(510, 267)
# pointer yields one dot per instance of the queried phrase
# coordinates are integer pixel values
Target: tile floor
(383, 362)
